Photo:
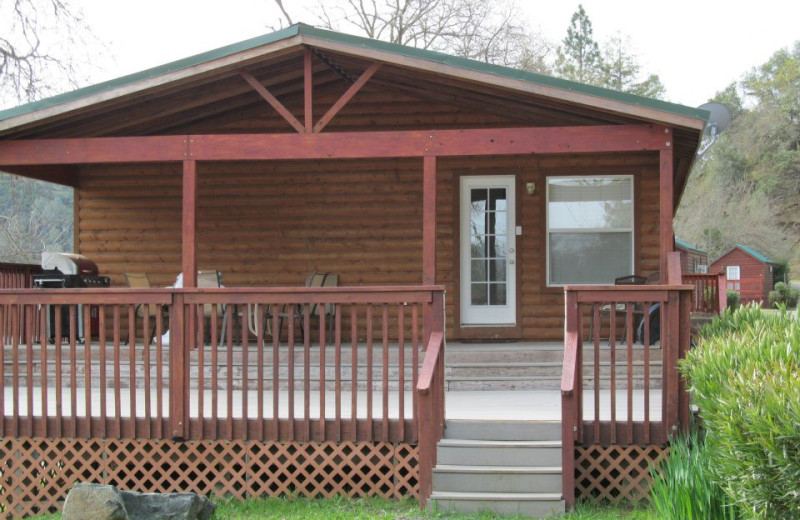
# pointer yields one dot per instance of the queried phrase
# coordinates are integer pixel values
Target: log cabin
(410, 175)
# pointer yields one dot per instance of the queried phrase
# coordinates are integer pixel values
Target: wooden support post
(429, 221)
(428, 237)
(189, 228)
(722, 289)
(308, 88)
(570, 385)
(666, 206)
(684, 342)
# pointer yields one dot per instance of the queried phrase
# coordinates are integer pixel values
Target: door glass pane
(497, 294)
(497, 271)
(478, 270)
(479, 296)
(498, 246)
(497, 199)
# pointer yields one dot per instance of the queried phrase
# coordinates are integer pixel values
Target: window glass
(590, 229)
(733, 272)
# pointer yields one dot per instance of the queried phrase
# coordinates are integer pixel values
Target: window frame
(548, 231)
(738, 269)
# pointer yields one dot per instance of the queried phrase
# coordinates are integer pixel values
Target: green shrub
(783, 295)
(733, 299)
(682, 488)
(745, 377)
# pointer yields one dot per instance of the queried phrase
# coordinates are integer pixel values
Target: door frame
(485, 331)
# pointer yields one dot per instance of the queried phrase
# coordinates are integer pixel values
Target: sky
(696, 47)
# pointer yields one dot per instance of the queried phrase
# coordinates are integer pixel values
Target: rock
(87, 501)
(171, 506)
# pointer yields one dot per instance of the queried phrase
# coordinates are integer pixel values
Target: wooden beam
(308, 89)
(273, 101)
(666, 210)
(189, 227)
(346, 97)
(429, 221)
(93, 150)
(340, 145)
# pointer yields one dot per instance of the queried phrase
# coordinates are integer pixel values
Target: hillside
(746, 190)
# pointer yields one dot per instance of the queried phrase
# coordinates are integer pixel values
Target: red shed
(748, 272)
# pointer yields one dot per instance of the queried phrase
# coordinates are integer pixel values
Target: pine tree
(579, 56)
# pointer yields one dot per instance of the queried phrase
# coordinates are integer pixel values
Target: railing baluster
(132, 363)
(646, 346)
(629, 342)
(354, 372)
(596, 332)
(612, 352)
(276, 344)
(15, 326)
(159, 433)
(385, 373)
(245, 377)
(229, 340)
(414, 360)
(117, 382)
(214, 372)
(290, 362)
(337, 341)
(322, 346)
(147, 378)
(73, 369)
(370, 431)
(45, 371)
(306, 326)
(201, 348)
(401, 385)
(29, 362)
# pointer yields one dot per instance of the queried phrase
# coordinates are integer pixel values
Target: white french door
(488, 251)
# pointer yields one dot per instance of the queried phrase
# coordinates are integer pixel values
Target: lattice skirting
(616, 473)
(36, 474)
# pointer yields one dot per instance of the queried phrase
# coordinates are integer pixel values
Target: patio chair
(141, 281)
(315, 279)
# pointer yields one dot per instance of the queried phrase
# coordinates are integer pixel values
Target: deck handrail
(46, 389)
(710, 291)
(430, 392)
(619, 304)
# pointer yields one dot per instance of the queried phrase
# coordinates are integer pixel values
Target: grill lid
(68, 263)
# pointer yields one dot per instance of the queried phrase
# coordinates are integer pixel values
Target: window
(589, 229)
(702, 268)
(733, 274)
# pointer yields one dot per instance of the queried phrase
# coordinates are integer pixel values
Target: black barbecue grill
(67, 270)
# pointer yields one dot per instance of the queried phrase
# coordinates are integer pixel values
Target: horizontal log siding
(267, 224)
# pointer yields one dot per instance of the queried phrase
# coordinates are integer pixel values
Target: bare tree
(45, 47)
(476, 29)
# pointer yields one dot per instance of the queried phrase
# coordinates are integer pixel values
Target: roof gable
(748, 250)
(297, 35)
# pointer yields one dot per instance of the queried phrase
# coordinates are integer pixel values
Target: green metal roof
(752, 252)
(687, 245)
(366, 43)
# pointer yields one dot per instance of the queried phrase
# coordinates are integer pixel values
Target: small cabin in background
(748, 272)
(693, 259)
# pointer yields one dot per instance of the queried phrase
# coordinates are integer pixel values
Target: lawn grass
(340, 508)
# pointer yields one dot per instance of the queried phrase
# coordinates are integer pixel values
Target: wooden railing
(189, 367)
(636, 318)
(17, 276)
(431, 400)
(710, 292)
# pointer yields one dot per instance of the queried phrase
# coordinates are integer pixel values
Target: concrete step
(460, 353)
(498, 453)
(503, 430)
(535, 505)
(497, 479)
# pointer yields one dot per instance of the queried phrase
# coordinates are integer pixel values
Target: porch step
(541, 505)
(525, 367)
(509, 467)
